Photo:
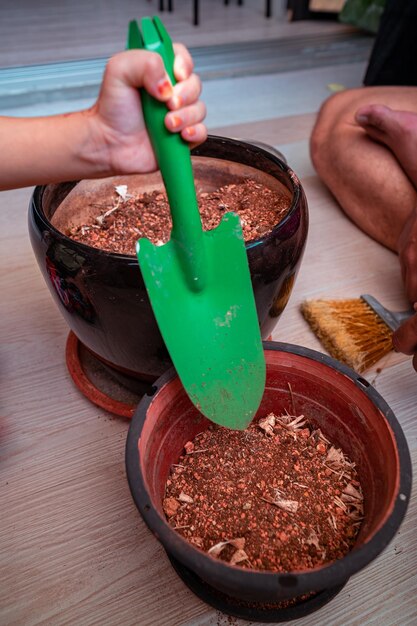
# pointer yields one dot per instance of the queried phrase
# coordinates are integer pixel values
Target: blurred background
(52, 55)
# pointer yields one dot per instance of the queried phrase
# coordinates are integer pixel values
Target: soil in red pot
(126, 218)
(276, 497)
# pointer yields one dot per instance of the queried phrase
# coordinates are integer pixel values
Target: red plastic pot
(351, 414)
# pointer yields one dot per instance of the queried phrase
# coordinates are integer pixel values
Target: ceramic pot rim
(36, 200)
(268, 582)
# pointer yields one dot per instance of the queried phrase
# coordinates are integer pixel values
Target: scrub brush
(357, 331)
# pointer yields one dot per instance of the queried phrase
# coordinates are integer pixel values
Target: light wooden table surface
(73, 548)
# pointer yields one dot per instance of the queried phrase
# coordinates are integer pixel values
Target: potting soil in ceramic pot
(101, 293)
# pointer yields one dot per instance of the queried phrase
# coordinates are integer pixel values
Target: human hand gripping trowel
(199, 282)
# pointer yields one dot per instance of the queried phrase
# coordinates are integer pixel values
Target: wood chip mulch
(277, 496)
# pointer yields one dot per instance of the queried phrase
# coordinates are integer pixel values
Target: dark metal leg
(170, 5)
(161, 5)
(196, 12)
(268, 8)
(299, 10)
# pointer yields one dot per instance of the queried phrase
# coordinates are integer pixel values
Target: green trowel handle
(173, 156)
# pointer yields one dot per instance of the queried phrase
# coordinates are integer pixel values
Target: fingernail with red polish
(190, 131)
(164, 88)
(175, 121)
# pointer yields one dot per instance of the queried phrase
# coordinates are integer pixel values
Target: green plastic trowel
(199, 283)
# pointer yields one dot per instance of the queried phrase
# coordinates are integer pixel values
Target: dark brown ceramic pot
(102, 295)
(350, 413)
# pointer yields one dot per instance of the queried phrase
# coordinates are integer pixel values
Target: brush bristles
(349, 330)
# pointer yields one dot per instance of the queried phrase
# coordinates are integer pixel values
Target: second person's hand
(407, 252)
(405, 338)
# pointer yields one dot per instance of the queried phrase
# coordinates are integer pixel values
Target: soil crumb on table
(277, 496)
(117, 227)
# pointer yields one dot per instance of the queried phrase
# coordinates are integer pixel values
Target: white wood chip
(121, 190)
(184, 498)
(217, 549)
(287, 505)
(238, 557)
(350, 490)
(267, 424)
(238, 543)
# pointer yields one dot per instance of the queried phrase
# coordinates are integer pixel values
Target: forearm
(109, 138)
(50, 149)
